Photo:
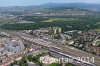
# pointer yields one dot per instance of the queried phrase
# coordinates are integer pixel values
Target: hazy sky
(38, 2)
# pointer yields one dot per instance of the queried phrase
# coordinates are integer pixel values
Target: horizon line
(50, 3)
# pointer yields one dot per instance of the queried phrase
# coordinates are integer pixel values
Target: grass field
(98, 30)
(60, 19)
(24, 21)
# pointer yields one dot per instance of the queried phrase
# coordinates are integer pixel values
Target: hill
(52, 5)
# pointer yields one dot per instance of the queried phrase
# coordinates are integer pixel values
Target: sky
(39, 2)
